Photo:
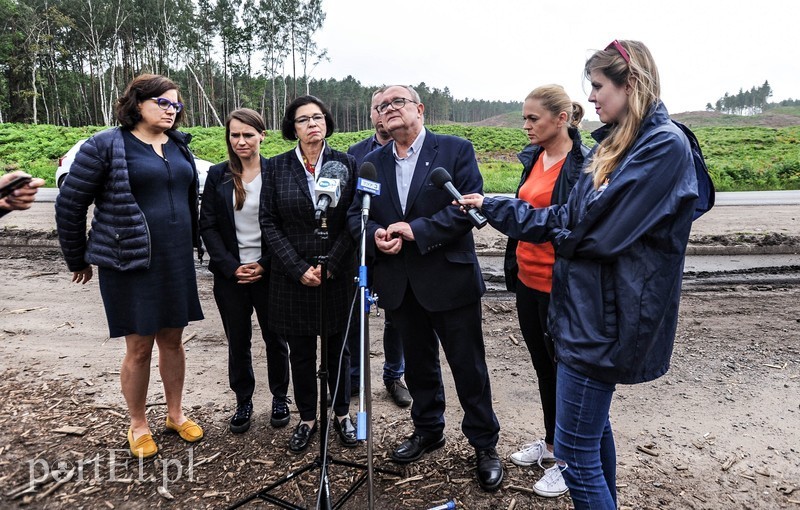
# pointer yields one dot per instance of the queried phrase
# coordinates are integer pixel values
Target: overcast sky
(502, 49)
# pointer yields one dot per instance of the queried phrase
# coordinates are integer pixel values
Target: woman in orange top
(551, 166)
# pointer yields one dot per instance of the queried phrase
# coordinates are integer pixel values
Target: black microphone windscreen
(439, 177)
(335, 170)
(368, 172)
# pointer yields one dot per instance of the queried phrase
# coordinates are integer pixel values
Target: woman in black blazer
(240, 263)
(289, 226)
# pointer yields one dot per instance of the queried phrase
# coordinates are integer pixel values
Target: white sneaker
(552, 484)
(533, 453)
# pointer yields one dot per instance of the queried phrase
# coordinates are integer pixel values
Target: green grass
(751, 159)
(739, 158)
(500, 176)
(36, 148)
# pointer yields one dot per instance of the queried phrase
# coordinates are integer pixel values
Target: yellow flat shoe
(144, 447)
(189, 431)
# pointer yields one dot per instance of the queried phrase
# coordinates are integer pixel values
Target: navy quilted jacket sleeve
(119, 237)
(84, 182)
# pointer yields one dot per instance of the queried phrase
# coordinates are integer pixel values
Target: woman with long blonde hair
(620, 242)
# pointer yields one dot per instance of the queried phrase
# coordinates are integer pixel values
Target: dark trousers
(303, 356)
(236, 303)
(394, 363)
(532, 308)
(460, 334)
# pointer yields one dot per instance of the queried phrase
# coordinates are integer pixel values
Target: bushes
(751, 158)
(739, 159)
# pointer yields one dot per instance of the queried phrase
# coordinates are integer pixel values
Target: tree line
(64, 62)
(745, 102)
(785, 102)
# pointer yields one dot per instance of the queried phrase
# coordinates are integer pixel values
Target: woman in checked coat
(288, 224)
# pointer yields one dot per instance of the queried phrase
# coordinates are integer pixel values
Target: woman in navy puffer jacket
(620, 243)
(143, 182)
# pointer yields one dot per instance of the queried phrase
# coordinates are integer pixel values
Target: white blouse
(248, 229)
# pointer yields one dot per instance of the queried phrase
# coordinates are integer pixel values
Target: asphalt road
(786, 197)
(758, 213)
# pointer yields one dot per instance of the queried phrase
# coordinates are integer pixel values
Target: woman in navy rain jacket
(620, 244)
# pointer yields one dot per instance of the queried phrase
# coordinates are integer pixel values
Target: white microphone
(328, 188)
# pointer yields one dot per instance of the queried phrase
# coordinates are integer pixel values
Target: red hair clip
(622, 51)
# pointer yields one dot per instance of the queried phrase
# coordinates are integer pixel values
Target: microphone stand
(364, 421)
(323, 460)
(324, 495)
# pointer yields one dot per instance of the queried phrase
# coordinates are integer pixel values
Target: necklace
(310, 168)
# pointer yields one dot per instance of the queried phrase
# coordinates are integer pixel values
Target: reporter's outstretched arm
(517, 218)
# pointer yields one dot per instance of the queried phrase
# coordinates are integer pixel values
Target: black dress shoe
(346, 431)
(240, 422)
(490, 469)
(301, 437)
(415, 447)
(399, 393)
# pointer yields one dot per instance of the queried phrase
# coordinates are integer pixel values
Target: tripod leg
(368, 422)
(264, 494)
(323, 496)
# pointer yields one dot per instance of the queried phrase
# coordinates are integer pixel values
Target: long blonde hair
(555, 100)
(641, 74)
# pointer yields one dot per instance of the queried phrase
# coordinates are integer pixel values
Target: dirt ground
(720, 430)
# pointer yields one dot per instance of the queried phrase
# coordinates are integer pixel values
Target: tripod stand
(323, 460)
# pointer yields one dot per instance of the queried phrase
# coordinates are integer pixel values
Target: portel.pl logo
(114, 465)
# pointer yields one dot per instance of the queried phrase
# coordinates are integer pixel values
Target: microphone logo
(367, 186)
(327, 184)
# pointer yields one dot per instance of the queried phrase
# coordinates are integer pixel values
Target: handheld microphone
(442, 180)
(368, 185)
(328, 188)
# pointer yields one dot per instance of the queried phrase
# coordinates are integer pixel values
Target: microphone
(442, 180)
(328, 188)
(368, 185)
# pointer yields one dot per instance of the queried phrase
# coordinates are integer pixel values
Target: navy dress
(165, 294)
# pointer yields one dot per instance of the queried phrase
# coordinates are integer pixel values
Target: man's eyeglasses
(622, 51)
(165, 103)
(317, 118)
(396, 104)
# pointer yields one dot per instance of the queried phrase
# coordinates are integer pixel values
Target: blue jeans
(584, 439)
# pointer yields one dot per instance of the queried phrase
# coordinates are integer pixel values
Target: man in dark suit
(427, 274)
(394, 364)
